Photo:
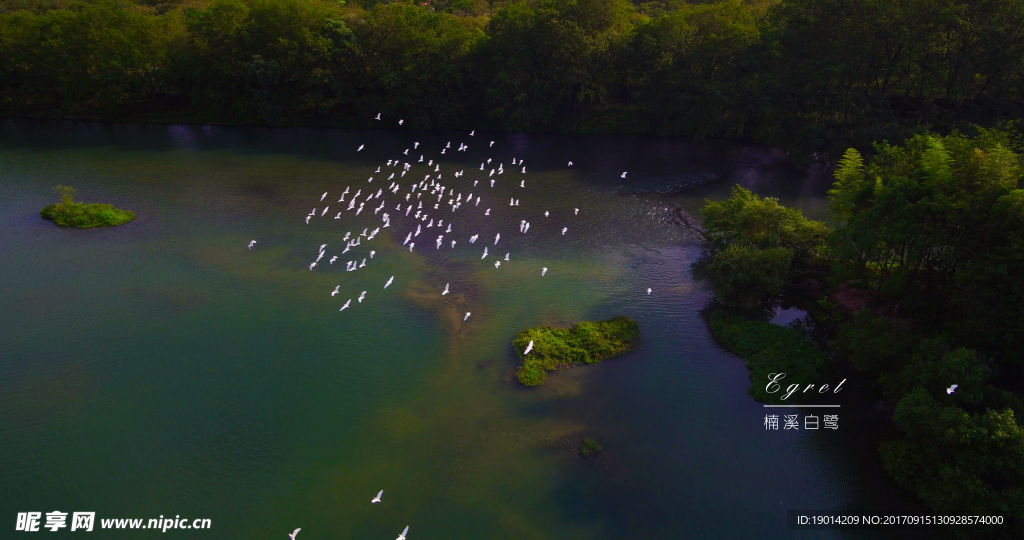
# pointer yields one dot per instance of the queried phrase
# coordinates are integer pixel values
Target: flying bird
(528, 348)
(543, 271)
(623, 175)
(252, 243)
(377, 498)
(400, 122)
(648, 291)
(952, 389)
(378, 117)
(464, 319)
(294, 534)
(322, 196)
(360, 147)
(445, 291)
(404, 532)
(335, 291)
(389, 282)
(347, 302)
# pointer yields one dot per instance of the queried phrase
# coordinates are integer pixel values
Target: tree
(67, 194)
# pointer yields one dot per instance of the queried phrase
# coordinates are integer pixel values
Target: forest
(915, 289)
(812, 75)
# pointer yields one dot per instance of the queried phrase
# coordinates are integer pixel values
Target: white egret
(570, 164)
(564, 229)
(648, 291)
(389, 281)
(377, 498)
(528, 348)
(361, 296)
(445, 291)
(404, 532)
(360, 148)
(335, 291)
(623, 175)
(952, 389)
(323, 196)
(400, 122)
(485, 253)
(543, 271)
(497, 264)
(576, 211)
(344, 307)
(252, 243)
(464, 319)
(294, 534)
(378, 117)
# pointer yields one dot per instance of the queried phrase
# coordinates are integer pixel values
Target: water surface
(161, 368)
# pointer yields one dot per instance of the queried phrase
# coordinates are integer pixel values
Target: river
(160, 368)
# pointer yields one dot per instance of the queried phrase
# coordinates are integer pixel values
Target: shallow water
(161, 368)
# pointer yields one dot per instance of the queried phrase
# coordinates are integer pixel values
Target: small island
(585, 343)
(68, 213)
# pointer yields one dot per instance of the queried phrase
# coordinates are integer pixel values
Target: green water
(161, 368)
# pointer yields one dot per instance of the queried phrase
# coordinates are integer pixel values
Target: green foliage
(84, 216)
(590, 448)
(68, 213)
(876, 345)
(747, 220)
(800, 73)
(749, 278)
(755, 244)
(67, 194)
(956, 461)
(585, 343)
(767, 348)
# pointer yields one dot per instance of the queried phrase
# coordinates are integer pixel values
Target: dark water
(161, 368)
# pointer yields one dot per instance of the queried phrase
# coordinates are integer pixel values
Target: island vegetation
(68, 213)
(794, 73)
(590, 448)
(919, 290)
(585, 343)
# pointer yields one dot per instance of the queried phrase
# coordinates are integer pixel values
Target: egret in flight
(323, 196)
(404, 532)
(360, 148)
(294, 534)
(335, 291)
(400, 122)
(377, 498)
(952, 389)
(347, 302)
(543, 271)
(528, 348)
(389, 282)
(648, 291)
(445, 291)
(623, 175)
(252, 243)
(378, 117)
(464, 319)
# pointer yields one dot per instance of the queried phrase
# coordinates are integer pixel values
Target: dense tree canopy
(817, 75)
(930, 232)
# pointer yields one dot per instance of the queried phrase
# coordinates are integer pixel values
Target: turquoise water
(161, 368)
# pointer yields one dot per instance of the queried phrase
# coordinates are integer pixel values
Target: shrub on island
(68, 213)
(590, 448)
(585, 343)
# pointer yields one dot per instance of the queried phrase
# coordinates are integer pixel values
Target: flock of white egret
(431, 202)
